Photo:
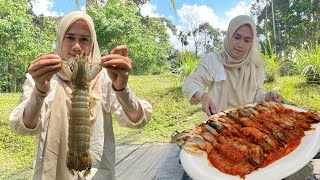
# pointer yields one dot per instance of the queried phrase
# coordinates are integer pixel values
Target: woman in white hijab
(233, 76)
(46, 102)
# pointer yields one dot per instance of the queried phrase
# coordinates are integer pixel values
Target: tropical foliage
(23, 37)
(306, 62)
(188, 63)
(146, 37)
(288, 23)
(273, 63)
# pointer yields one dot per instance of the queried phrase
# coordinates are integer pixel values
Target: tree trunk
(266, 22)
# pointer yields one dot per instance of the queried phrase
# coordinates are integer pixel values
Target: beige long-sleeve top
(102, 139)
(209, 77)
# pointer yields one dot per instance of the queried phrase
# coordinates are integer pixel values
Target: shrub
(273, 63)
(306, 63)
(188, 64)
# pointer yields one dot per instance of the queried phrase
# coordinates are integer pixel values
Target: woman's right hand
(207, 104)
(273, 96)
(42, 69)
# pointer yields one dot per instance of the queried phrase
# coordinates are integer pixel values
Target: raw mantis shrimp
(81, 72)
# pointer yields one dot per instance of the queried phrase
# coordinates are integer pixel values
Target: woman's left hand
(273, 96)
(118, 66)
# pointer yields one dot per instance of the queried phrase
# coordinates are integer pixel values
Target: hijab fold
(55, 148)
(241, 83)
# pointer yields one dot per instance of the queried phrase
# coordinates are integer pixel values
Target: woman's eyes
(70, 37)
(246, 40)
(84, 39)
(81, 39)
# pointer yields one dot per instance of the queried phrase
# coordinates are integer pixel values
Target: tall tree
(303, 22)
(183, 37)
(119, 24)
(296, 22)
(20, 42)
(191, 23)
(137, 2)
(169, 25)
(210, 38)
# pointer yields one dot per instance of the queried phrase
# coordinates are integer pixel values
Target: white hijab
(241, 83)
(55, 147)
(65, 23)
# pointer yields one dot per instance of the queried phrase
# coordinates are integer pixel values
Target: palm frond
(77, 4)
(173, 4)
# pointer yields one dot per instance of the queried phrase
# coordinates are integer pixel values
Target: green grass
(306, 63)
(16, 152)
(273, 63)
(296, 91)
(171, 112)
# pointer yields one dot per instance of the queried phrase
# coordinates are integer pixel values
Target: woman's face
(241, 42)
(76, 39)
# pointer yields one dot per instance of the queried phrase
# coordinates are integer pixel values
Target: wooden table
(160, 161)
(149, 161)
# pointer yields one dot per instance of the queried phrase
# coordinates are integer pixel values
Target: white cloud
(148, 10)
(174, 41)
(192, 16)
(43, 7)
(83, 8)
(240, 9)
(188, 16)
(171, 18)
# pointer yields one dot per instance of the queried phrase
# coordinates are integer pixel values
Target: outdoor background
(165, 45)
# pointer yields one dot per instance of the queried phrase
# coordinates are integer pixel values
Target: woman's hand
(118, 66)
(273, 96)
(42, 69)
(207, 104)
